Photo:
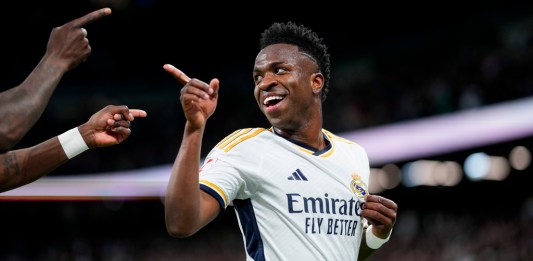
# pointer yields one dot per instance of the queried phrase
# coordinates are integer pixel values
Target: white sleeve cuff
(72, 142)
(373, 241)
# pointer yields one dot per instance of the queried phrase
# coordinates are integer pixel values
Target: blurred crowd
(135, 231)
(436, 74)
(477, 236)
(420, 75)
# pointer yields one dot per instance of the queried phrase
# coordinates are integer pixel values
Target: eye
(257, 78)
(278, 70)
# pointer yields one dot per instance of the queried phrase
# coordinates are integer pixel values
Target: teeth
(268, 99)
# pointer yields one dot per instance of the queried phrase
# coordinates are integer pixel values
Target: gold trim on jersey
(232, 137)
(237, 137)
(310, 152)
(327, 154)
(227, 137)
(331, 135)
(332, 149)
(217, 189)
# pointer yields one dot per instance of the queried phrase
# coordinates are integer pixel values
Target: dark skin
(381, 214)
(187, 208)
(280, 70)
(288, 90)
(107, 127)
(22, 105)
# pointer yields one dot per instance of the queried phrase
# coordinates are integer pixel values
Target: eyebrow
(273, 64)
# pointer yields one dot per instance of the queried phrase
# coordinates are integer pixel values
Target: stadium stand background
(390, 64)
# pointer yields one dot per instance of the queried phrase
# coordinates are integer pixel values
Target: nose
(267, 82)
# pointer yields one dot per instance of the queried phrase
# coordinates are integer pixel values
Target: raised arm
(107, 127)
(22, 105)
(187, 208)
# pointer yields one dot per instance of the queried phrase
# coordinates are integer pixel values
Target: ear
(317, 81)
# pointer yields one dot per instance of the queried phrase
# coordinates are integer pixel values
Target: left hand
(109, 126)
(381, 214)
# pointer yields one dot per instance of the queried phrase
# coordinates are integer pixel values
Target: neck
(307, 136)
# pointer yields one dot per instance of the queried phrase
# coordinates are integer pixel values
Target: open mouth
(272, 101)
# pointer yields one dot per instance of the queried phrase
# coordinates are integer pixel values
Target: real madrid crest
(358, 187)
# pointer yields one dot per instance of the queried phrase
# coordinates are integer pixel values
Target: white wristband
(373, 241)
(72, 142)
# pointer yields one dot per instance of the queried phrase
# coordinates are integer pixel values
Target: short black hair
(306, 40)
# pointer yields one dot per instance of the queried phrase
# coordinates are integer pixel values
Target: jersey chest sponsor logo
(296, 203)
(327, 215)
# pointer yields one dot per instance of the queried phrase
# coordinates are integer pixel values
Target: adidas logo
(297, 175)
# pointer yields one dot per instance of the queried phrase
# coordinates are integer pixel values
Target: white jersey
(292, 202)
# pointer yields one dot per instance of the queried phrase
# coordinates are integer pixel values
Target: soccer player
(299, 191)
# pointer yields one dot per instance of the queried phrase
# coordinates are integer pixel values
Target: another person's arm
(21, 106)
(381, 215)
(187, 208)
(107, 127)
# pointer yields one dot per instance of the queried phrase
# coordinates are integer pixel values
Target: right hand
(109, 126)
(198, 99)
(68, 45)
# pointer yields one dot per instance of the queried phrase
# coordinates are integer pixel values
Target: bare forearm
(24, 104)
(182, 201)
(24, 166)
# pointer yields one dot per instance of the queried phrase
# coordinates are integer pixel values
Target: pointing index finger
(138, 113)
(91, 17)
(177, 73)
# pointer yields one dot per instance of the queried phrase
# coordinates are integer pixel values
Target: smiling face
(287, 87)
